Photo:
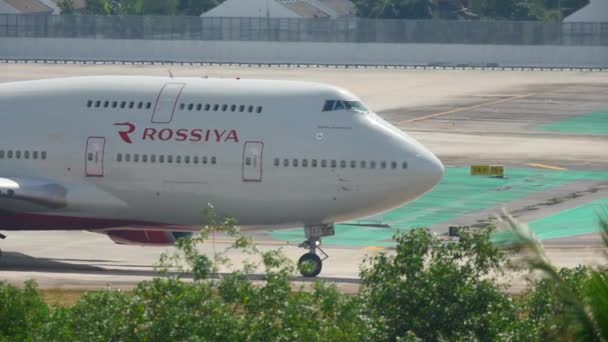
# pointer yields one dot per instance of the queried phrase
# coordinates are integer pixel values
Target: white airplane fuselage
(115, 152)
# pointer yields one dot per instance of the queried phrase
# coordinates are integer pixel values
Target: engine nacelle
(146, 237)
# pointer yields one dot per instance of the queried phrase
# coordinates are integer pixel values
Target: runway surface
(546, 127)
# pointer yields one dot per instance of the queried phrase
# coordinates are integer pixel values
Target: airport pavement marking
(549, 167)
(458, 110)
(373, 249)
(257, 242)
(595, 123)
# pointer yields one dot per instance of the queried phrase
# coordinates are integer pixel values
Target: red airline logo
(124, 135)
(128, 131)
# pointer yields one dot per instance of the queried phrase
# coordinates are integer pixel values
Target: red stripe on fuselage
(21, 221)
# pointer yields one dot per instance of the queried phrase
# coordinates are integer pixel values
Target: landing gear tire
(310, 265)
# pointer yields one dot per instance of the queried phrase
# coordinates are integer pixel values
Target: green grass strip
(457, 195)
(594, 123)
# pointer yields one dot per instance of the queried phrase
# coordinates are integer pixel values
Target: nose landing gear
(2, 237)
(310, 264)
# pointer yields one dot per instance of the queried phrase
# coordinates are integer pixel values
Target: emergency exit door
(94, 156)
(253, 152)
(166, 102)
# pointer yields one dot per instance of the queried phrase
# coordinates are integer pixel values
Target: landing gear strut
(2, 237)
(310, 264)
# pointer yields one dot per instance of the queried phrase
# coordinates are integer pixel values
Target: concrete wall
(303, 53)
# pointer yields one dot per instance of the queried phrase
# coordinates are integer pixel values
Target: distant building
(25, 7)
(283, 9)
(36, 6)
(595, 12)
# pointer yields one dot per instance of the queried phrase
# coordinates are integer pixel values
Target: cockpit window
(355, 105)
(329, 105)
(333, 105)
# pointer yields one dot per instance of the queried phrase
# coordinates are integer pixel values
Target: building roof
(6, 8)
(341, 8)
(302, 8)
(595, 12)
(29, 6)
(250, 8)
(283, 9)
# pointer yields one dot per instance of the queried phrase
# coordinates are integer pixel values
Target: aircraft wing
(17, 193)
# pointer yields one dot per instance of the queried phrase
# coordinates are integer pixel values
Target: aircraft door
(253, 152)
(167, 102)
(94, 156)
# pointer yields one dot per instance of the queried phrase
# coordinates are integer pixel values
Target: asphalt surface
(464, 116)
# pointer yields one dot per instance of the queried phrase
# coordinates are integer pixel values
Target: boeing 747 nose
(430, 169)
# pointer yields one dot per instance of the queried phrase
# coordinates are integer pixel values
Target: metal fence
(350, 30)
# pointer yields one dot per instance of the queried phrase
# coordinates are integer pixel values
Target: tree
(568, 305)
(159, 7)
(115, 7)
(196, 7)
(66, 6)
(392, 9)
(436, 291)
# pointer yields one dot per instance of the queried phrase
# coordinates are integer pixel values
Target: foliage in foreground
(424, 290)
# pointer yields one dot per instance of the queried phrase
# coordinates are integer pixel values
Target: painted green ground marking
(457, 195)
(594, 123)
(576, 221)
